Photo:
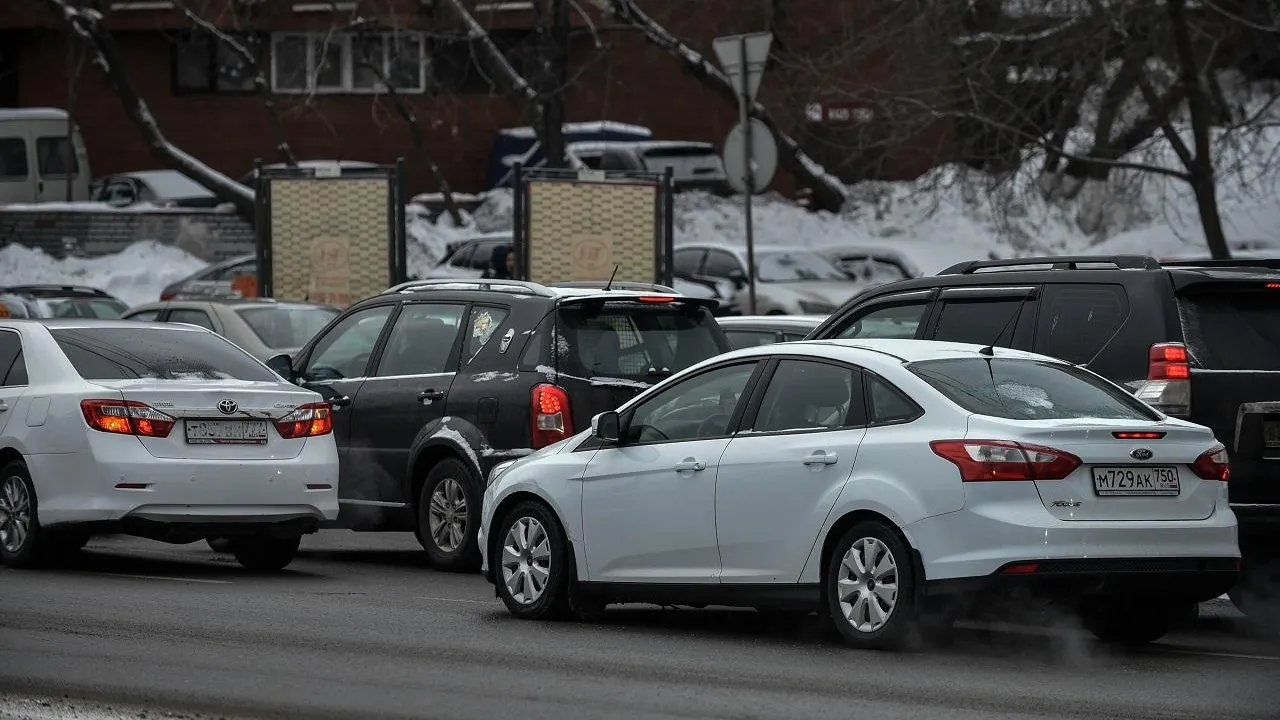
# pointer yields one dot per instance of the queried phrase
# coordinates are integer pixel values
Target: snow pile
(135, 275)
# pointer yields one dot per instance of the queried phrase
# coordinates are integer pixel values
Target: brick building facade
(330, 111)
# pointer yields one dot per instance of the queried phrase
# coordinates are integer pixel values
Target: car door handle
(689, 464)
(339, 402)
(822, 458)
(4, 406)
(431, 395)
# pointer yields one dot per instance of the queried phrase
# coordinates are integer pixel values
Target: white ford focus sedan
(882, 482)
(157, 430)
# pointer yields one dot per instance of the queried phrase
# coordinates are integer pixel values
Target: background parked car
(165, 188)
(789, 281)
(49, 301)
(694, 165)
(36, 157)
(870, 264)
(213, 281)
(263, 327)
(746, 331)
(472, 258)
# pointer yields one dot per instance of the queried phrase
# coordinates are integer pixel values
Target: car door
(336, 366)
(406, 390)
(781, 474)
(13, 375)
(648, 502)
(1000, 316)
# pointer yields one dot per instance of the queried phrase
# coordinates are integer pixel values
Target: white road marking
(457, 600)
(205, 581)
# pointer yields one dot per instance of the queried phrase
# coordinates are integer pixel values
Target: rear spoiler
(1237, 263)
(655, 299)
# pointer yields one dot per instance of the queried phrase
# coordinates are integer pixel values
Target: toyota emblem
(229, 407)
(1140, 454)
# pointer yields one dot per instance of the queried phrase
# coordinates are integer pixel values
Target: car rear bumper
(117, 480)
(1188, 578)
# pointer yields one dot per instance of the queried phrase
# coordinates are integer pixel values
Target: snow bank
(135, 275)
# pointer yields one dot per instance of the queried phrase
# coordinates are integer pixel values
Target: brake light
(1138, 435)
(1213, 464)
(126, 417)
(655, 299)
(305, 421)
(1003, 460)
(1021, 569)
(550, 418)
(1168, 361)
(1273, 286)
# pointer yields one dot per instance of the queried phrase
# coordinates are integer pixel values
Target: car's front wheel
(870, 588)
(448, 515)
(1128, 620)
(531, 563)
(265, 554)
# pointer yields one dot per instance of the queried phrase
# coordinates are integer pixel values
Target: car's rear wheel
(531, 563)
(870, 586)
(266, 554)
(21, 538)
(448, 515)
(1129, 620)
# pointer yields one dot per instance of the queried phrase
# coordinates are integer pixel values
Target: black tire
(901, 627)
(1132, 621)
(266, 554)
(221, 544)
(456, 554)
(23, 543)
(553, 600)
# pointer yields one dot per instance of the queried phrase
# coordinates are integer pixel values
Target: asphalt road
(360, 628)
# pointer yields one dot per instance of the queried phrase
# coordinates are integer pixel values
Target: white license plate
(1136, 481)
(226, 432)
(1271, 434)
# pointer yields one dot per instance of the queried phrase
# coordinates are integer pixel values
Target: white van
(35, 157)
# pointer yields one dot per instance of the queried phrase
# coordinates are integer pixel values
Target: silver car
(261, 326)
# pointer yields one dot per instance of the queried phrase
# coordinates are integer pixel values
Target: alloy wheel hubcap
(447, 515)
(15, 514)
(867, 583)
(526, 560)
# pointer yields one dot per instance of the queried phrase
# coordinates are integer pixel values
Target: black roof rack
(1064, 262)
(55, 290)
(1267, 263)
(616, 285)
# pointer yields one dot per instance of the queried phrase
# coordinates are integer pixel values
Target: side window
(485, 321)
(13, 159)
(721, 264)
(345, 350)
(980, 321)
(462, 258)
(793, 337)
(886, 321)
(613, 161)
(687, 262)
(696, 409)
(482, 258)
(591, 161)
(422, 340)
(1080, 319)
(739, 339)
(145, 316)
(10, 351)
(887, 403)
(193, 317)
(17, 375)
(231, 272)
(806, 395)
(56, 157)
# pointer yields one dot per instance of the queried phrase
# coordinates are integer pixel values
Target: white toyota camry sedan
(881, 482)
(157, 430)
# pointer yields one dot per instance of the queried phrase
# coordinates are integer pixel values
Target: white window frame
(317, 40)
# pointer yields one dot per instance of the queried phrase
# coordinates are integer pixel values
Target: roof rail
(1065, 262)
(53, 290)
(518, 287)
(616, 285)
(1243, 263)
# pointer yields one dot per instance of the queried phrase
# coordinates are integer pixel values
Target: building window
(203, 64)
(461, 66)
(348, 63)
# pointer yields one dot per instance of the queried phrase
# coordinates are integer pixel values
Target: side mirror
(738, 278)
(283, 365)
(606, 426)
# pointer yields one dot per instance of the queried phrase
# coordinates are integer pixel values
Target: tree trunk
(553, 68)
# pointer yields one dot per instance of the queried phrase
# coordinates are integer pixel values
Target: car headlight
(810, 307)
(498, 470)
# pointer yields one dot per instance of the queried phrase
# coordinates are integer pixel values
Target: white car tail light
(1005, 460)
(1168, 383)
(307, 420)
(126, 417)
(550, 419)
(1213, 464)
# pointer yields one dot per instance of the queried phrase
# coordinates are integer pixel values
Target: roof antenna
(609, 285)
(990, 350)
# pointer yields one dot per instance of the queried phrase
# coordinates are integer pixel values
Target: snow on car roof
(169, 184)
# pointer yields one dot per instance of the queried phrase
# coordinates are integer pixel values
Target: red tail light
(1000, 460)
(126, 417)
(1214, 464)
(168, 294)
(307, 420)
(655, 299)
(550, 418)
(1138, 435)
(1168, 361)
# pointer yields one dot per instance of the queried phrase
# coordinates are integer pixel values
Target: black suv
(1198, 340)
(434, 382)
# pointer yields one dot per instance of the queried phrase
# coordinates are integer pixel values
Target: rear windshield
(83, 308)
(156, 353)
(1233, 330)
(633, 340)
(1029, 390)
(285, 327)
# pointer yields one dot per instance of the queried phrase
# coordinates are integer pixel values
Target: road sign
(741, 54)
(763, 155)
